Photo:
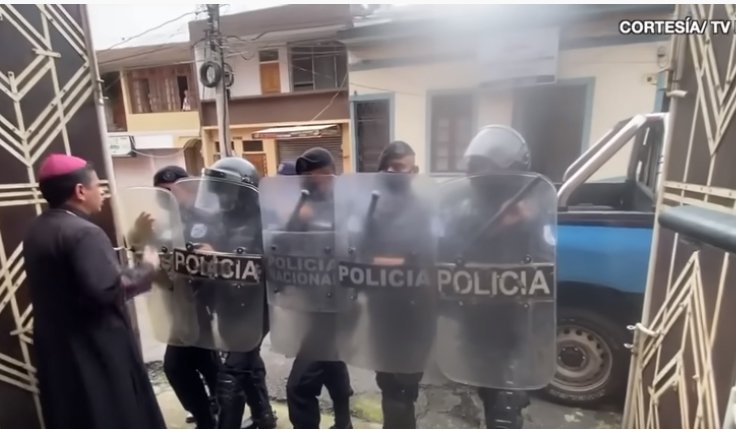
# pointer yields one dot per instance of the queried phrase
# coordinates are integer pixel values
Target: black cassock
(90, 372)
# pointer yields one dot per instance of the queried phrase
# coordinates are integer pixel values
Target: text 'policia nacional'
(532, 281)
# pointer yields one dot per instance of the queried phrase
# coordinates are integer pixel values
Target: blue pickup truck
(604, 240)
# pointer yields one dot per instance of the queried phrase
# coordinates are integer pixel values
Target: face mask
(398, 182)
(492, 191)
(227, 202)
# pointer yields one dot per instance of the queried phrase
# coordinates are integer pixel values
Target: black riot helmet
(497, 148)
(228, 171)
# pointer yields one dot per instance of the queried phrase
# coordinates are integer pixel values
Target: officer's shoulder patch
(199, 230)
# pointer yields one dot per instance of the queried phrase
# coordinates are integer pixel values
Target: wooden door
(37, 39)
(684, 354)
(259, 161)
(270, 78)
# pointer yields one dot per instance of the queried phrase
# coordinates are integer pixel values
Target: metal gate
(48, 87)
(684, 349)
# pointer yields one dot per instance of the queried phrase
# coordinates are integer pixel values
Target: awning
(300, 132)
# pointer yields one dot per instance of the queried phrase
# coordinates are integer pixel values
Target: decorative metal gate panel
(684, 349)
(48, 88)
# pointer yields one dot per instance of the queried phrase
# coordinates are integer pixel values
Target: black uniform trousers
(304, 386)
(185, 368)
(502, 409)
(242, 379)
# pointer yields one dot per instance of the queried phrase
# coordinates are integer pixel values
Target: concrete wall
(621, 89)
(246, 69)
(139, 170)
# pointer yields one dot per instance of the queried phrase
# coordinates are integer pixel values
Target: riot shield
(496, 279)
(298, 233)
(151, 217)
(219, 259)
(385, 244)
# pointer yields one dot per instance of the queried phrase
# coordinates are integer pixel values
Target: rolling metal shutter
(290, 150)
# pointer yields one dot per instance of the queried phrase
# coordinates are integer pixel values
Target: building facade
(290, 86)
(561, 75)
(151, 108)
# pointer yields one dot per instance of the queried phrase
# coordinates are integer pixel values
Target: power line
(149, 30)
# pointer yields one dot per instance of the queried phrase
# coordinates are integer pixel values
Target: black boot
(398, 414)
(256, 395)
(503, 408)
(341, 407)
(231, 401)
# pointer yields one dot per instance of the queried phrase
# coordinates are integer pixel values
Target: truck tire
(592, 362)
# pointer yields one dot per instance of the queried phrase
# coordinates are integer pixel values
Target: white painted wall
(245, 64)
(139, 170)
(621, 89)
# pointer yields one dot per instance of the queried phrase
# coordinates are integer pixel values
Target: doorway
(194, 163)
(552, 119)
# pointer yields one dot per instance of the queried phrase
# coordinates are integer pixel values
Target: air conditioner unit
(519, 58)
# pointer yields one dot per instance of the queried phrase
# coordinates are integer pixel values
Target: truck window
(649, 159)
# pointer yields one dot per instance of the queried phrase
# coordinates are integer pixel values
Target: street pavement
(437, 408)
(444, 407)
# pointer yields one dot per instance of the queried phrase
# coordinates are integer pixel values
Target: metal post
(221, 100)
(99, 102)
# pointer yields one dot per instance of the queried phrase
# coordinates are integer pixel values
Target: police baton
(495, 218)
(291, 224)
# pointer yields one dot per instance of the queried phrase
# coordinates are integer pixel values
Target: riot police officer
(242, 376)
(186, 367)
(496, 149)
(308, 376)
(399, 392)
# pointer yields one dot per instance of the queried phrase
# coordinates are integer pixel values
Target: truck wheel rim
(584, 359)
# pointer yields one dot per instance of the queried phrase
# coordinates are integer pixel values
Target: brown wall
(293, 107)
(74, 128)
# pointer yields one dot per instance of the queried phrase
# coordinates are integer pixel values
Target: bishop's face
(90, 194)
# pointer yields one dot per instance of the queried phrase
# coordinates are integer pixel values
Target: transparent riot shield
(496, 279)
(219, 259)
(151, 217)
(298, 233)
(385, 245)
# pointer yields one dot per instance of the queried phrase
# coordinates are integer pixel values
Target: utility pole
(217, 48)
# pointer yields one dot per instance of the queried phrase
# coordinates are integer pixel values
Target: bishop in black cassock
(90, 372)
